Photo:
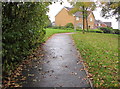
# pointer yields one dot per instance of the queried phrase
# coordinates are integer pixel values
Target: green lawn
(50, 32)
(100, 52)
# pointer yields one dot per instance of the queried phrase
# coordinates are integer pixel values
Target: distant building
(109, 24)
(99, 23)
(63, 17)
(53, 23)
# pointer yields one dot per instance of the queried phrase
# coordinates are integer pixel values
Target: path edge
(80, 57)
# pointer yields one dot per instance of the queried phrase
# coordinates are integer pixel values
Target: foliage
(96, 30)
(48, 23)
(22, 29)
(100, 54)
(58, 27)
(106, 29)
(110, 9)
(68, 29)
(116, 31)
(69, 25)
(50, 32)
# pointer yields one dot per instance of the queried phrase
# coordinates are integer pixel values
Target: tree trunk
(87, 22)
(75, 24)
(83, 12)
(86, 18)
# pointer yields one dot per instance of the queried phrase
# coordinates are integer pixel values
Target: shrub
(55, 27)
(95, 30)
(69, 25)
(61, 27)
(116, 31)
(58, 27)
(98, 32)
(22, 29)
(106, 29)
(68, 29)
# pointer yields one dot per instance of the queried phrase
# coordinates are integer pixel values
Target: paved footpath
(60, 67)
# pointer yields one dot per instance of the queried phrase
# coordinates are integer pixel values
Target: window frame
(77, 18)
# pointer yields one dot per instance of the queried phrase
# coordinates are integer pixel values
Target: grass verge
(50, 32)
(100, 53)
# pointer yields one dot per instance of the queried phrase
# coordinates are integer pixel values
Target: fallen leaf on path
(47, 61)
(31, 75)
(73, 73)
(56, 77)
(34, 80)
(24, 78)
(52, 71)
(89, 75)
(82, 69)
(35, 66)
(66, 66)
(40, 69)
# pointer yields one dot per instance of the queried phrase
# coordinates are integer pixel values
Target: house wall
(79, 21)
(91, 23)
(63, 17)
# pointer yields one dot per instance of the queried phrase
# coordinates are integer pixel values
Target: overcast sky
(56, 7)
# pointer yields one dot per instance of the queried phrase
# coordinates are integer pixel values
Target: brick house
(99, 23)
(63, 17)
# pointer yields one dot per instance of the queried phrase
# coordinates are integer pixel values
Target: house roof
(108, 23)
(100, 22)
(68, 8)
(78, 14)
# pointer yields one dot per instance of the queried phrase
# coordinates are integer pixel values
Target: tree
(90, 6)
(110, 9)
(83, 7)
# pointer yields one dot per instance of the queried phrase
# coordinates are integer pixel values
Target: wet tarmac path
(60, 67)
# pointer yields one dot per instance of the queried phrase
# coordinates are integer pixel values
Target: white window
(99, 24)
(90, 19)
(77, 18)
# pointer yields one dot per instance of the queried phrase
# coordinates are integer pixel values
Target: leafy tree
(110, 9)
(83, 7)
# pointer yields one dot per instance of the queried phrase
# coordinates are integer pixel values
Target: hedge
(22, 29)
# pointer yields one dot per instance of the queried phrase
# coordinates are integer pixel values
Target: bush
(98, 31)
(55, 27)
(116, 31)
(106, 29)
(69, 25)
(68, 29)
(22, 29)
(95, 30)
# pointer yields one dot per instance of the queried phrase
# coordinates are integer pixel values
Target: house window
(99, 24)
(77, 18)
(90, 19)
